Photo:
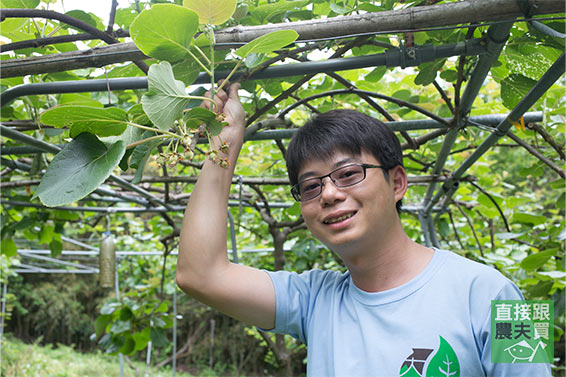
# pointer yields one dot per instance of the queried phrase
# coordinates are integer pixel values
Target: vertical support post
(211, 349)
(147, 359)
(117, 291)
(424, 228)
(174, 330)
(4, 293)
(233, 237)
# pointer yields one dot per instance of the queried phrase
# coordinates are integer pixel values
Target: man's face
(353, 217)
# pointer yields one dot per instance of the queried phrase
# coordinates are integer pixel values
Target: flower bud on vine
(223, 162)
(173, 159)
(224, 147)
(189, 154)
(187, 140)
(161, 159)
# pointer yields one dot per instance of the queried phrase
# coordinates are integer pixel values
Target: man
(401, 309)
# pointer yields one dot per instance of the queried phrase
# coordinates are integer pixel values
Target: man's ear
(398, 179)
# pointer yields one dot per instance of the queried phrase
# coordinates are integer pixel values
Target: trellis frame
(436, 198)
(488, 50)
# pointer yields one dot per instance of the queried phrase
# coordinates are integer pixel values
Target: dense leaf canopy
(484, 152)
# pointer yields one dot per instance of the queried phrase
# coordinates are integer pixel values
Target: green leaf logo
(444, 363)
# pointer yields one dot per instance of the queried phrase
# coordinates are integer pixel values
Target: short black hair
(346, 131)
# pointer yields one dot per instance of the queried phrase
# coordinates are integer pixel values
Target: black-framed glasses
(344, 176)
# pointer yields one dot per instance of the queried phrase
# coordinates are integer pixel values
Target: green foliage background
(522, 235)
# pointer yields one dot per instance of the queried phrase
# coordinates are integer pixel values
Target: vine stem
(230, 74)
(146, 140)
(199, 62)
(171, 134)
(211, 39)
(202, 53)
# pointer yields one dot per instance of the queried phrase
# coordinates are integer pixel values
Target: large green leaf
(268, 43)
(200, 114)
(83, 16)
(19, 3)
(9, 247)
(165, 31)
(530, 60)
(213, 12)
(527, 218)
(141, 154)
(428, 71)
(264, 12)
(514, 88)
(158, 337)
(83, 165)
(186, 70)
(100, 323)
(142, 338)
(534, 261)
(166, 98)
(99, 121)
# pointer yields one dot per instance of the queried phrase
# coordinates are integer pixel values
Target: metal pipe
(122, 254)
(4, 293)
(424, 229)
(174, 366)
(548, 79)
(117, 292)
(547, 30)
(496, 37)
(447, 144)
(16, 203)
(404, 125)
(393, 57)
(29, 140)
(233, 237)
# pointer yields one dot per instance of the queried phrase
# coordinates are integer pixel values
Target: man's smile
(335, 218)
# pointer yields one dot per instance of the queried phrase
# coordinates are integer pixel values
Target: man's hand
(228, 103)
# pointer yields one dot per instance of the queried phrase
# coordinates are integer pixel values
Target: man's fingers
(234, 90)
(221, 96)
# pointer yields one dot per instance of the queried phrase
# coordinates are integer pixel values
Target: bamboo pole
(409, 19)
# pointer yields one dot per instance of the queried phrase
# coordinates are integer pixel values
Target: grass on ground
(32, 360)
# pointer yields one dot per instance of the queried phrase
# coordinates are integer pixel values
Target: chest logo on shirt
(444, 363)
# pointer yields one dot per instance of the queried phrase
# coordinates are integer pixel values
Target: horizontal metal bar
(77, 243)
(52, 271)
(53, 260)
(16, 203)
(125, 253)
(404, 125)
(394, 57)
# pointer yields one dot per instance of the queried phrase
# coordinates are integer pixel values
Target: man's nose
(330, 192)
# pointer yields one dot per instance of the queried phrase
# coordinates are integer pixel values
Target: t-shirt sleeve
(508, 292)
(295, 295)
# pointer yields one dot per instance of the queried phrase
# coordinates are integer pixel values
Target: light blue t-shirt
(438, 324)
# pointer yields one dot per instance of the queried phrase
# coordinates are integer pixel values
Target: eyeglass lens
(342, 177)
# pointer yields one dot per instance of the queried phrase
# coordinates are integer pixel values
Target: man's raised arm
(203, 269)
